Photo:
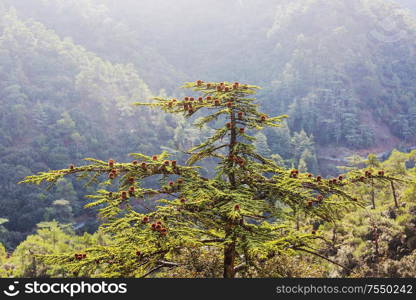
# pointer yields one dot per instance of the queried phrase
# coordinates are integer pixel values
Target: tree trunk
(295, 212)
(229, 260)
(233, 141)
(229, 249)
(396, 203)
(373, 197)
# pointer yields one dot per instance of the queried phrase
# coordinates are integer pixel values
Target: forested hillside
(347, 79)
(90, 24)
(61, 103)
(342, 70)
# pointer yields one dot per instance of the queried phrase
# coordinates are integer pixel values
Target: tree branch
(163, 264)
(213, 241)
(323, 257)
(240, 267)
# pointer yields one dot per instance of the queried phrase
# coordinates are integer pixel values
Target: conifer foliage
(246, 210)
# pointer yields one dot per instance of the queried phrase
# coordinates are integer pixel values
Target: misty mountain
(347, 78)
(61, 103)
(343, 70)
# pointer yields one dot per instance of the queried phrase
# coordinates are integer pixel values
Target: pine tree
(373, 176)
(245, 210)
(261, 145)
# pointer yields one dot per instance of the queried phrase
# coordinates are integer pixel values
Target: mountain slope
(345, 80)
(61, 103)
(89, 23)
(344, 71)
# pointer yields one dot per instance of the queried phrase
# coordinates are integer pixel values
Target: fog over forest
(342, 71)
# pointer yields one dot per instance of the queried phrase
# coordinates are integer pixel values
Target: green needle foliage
(250, 210)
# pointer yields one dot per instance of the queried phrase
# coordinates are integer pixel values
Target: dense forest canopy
(342, 70)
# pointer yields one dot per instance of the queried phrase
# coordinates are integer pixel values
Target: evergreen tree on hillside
(244, 211)
(261, 145)
(377, 179)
